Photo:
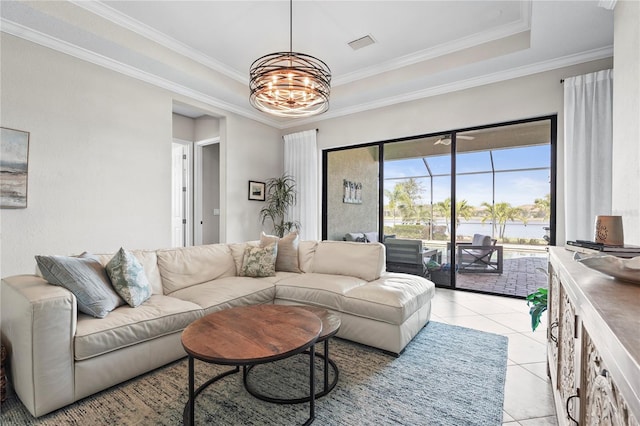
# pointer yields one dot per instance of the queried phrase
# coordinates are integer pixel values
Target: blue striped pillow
(86, 278)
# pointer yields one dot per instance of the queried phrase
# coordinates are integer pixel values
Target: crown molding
(122, 20)
(607, 4)
(521, 25)
(517, 72)
(37, 37)
(62, 46)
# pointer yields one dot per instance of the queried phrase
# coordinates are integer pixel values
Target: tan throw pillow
(287, 260)
(259, 261)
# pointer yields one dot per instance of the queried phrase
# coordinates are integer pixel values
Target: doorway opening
(207, 191)
(196, 190)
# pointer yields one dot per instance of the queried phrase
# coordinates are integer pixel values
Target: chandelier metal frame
(290, 84)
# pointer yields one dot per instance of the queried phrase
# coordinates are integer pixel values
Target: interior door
(178, 195)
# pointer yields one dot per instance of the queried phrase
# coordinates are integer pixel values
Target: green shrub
(416, 232)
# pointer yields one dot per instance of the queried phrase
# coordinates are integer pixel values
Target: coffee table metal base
(188, 416)
(328, 387)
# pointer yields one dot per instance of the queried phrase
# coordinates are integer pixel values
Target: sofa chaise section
(379, 309)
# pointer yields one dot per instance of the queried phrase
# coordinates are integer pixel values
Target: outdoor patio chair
(405, 256)
(478, 256)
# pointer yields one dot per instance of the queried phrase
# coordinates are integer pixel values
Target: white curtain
(588, 141)
(301, 162)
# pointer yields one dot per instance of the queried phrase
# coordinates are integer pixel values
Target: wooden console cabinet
(593, 344)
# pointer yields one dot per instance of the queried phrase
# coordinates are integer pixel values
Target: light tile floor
(528, 398)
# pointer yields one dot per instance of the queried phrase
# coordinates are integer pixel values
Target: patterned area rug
(448, 375)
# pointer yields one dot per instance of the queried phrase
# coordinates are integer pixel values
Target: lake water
(513, 229)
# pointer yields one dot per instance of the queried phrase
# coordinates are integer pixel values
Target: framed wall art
(14, 162)
(256, 190)
(352, 192)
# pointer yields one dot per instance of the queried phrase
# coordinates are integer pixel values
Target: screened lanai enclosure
(475, 207)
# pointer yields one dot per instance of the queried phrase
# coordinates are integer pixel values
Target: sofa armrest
(38, 326)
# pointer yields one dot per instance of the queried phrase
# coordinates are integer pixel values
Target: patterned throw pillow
(128, 278)
(287, 259)
(259, 261)
(85, 277)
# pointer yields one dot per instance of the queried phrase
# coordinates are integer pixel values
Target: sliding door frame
(553, 124)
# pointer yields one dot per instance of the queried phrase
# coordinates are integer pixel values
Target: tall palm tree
(397, 199)
(463, 210)
(500, 213)
(443, 208)
(544, 205)
(405, 197)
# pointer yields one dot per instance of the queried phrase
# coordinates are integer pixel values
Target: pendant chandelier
(290, 84)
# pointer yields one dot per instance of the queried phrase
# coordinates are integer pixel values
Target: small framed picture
(256, 190)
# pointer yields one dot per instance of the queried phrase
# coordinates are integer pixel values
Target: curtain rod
(317, 131)
(561, 80)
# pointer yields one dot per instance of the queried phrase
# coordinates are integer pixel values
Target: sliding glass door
(417, 188)
(479, 202)
(503, 207)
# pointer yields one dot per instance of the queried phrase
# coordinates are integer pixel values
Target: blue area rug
(448, 375)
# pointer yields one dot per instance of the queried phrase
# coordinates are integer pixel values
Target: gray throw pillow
(128, 278)
(86, 278)
(287, 259)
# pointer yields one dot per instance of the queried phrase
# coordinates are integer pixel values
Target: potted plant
(537, 302)
(280, 195)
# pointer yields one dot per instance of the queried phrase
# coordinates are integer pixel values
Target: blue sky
(514, 187)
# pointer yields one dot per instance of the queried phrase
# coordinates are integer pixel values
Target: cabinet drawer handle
(552, 326)
(577, 395)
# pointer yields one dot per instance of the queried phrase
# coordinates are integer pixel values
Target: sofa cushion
(224, 293)
(127, 326)
(306, 251)
(322, 290)
(287, 259)
(149, 261)
(357, 237)
(372, 237)
(392, 298)
(187, 266)
(366, 261)
(259, 261)
(128, 278)
(85, 277)
(237, 252)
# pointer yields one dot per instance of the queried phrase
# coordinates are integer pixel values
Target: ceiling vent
(361, 42)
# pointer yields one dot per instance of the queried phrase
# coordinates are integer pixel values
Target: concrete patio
(519, 278)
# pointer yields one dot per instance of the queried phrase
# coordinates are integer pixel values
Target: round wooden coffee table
(330, 326)
(250, 335)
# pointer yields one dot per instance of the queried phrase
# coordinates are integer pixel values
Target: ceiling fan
(447, 140)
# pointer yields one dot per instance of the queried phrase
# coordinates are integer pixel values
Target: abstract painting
(14, 161)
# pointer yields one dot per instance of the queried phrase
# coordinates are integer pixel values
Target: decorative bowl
(623, 269)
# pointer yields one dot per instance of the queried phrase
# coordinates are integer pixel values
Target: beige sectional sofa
(58, 355)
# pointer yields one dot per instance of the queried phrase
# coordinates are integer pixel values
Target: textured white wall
(206, 127)
(254, 153)
(626, 118)
(100, 159)
(99, 172)
(183, 128)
